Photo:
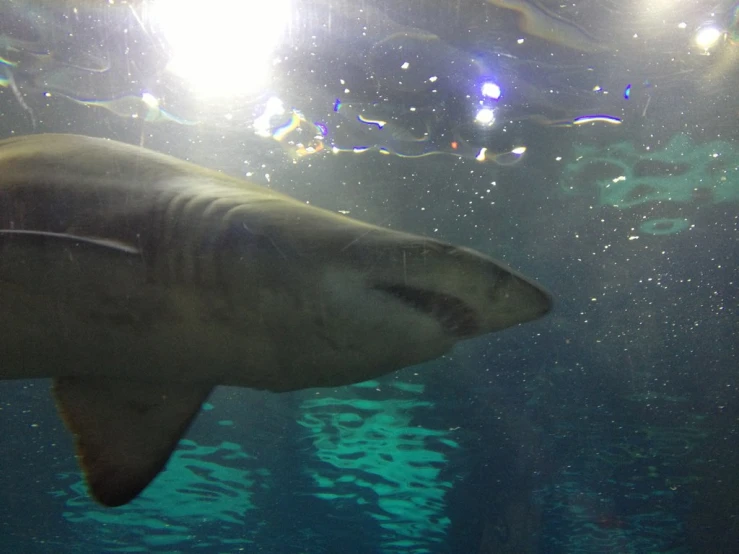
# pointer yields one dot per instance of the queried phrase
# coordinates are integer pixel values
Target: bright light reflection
(485, 116)
(263, 123)
(707, 37)
(150, 100)
(221, 47)
(491, 90)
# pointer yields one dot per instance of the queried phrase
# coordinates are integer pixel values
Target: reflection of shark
(139, 282)
(145, 107)
(537, 21)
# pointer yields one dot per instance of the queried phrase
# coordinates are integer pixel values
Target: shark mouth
(454, 316)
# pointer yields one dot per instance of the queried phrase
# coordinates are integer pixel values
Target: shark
(138, 282)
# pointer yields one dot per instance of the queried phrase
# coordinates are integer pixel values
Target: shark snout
(514, 299)
(466, 292)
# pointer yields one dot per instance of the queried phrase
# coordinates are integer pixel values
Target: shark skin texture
(138, 282)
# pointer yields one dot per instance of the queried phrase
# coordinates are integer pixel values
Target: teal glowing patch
(666, 226)
(408, 387)
(375, 458)
(205, 490)
(682, 172)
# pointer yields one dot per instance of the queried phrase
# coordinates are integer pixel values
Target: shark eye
(455, 317)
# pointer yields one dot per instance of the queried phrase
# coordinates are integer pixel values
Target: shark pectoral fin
(125, 431)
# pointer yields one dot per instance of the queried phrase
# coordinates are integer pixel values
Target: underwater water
(593, 146)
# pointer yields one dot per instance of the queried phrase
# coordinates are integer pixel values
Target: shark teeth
(454, 315)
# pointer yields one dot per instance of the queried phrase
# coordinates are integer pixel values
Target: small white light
(485, 116)
(707, 37)
(263, 123)
(150, 100)
(491, 90)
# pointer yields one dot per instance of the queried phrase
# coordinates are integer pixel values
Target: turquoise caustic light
(201, 484)
(386, 464)
(682, 175)
(364, 450)
(664, 226)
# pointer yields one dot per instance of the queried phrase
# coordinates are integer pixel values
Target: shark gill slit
(453, 314)
(189, 247)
